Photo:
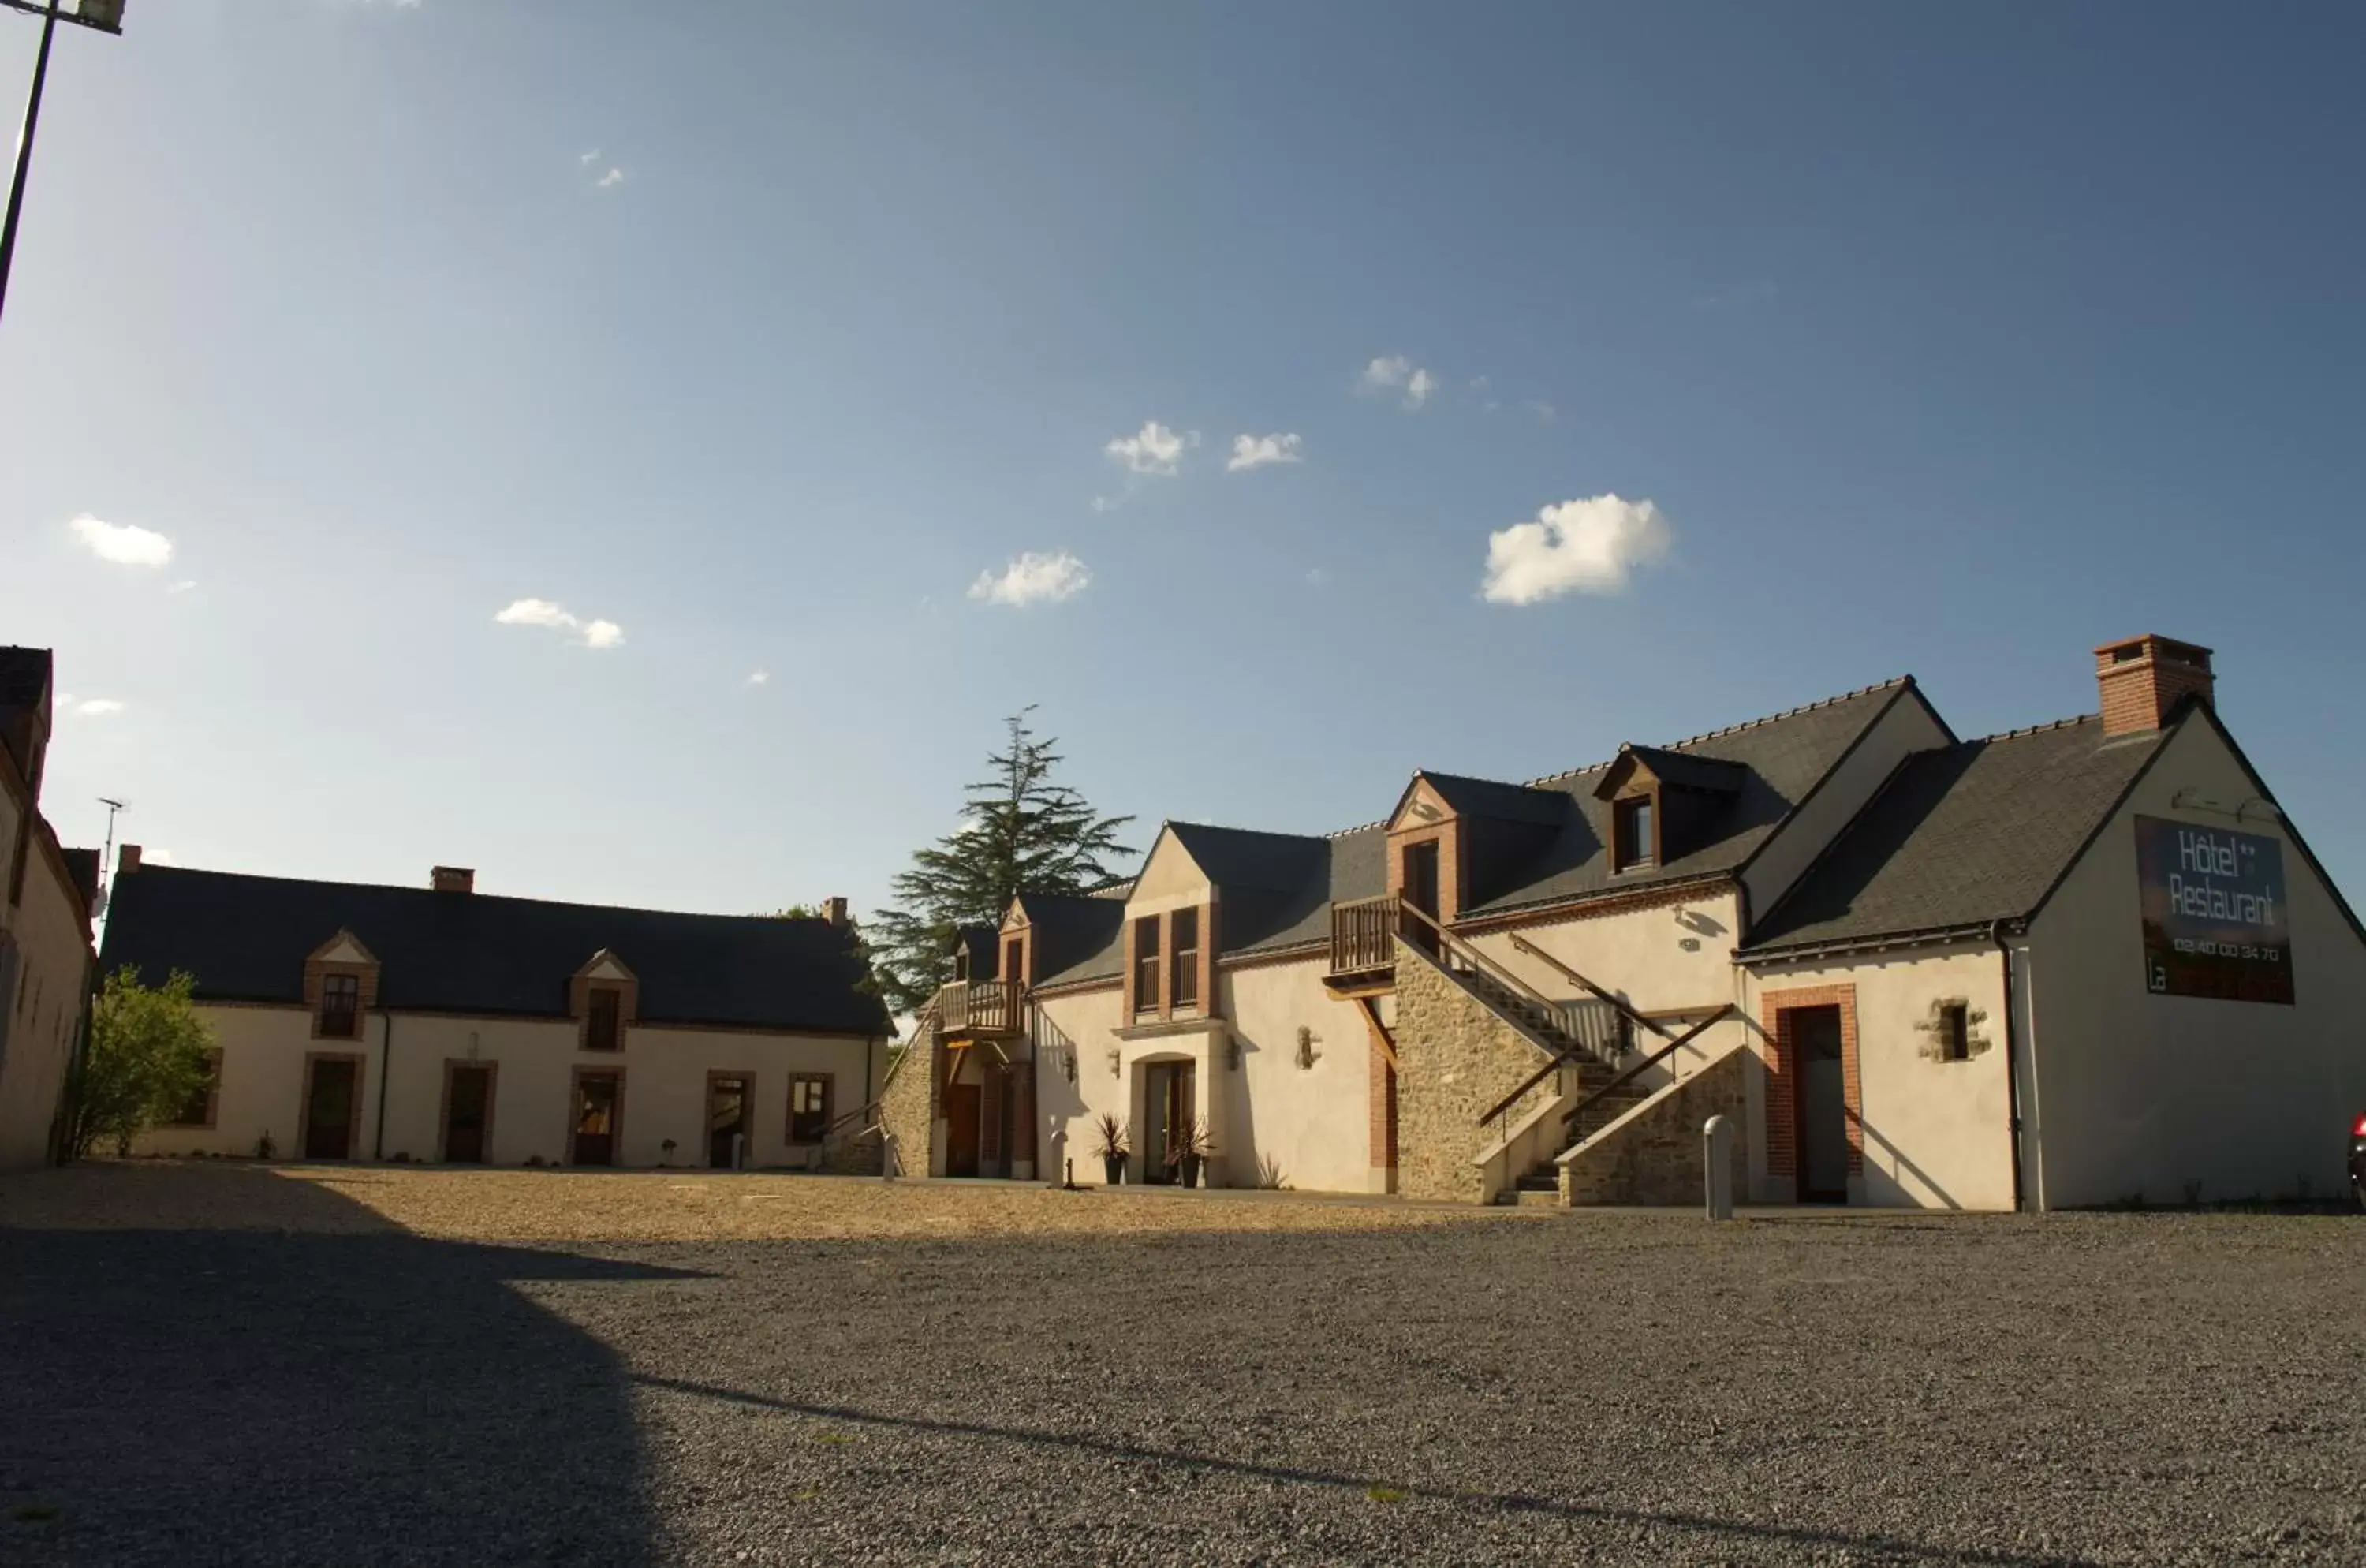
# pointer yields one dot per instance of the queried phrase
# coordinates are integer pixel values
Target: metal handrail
(1654, 1059)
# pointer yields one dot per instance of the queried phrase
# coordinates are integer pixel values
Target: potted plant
(1190, 1149)
(1113, 1143)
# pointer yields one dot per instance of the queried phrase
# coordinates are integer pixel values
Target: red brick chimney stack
(126, 858)
(2142, 679)
(452, 879)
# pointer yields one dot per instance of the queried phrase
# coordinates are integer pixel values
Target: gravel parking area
(1600, 1387)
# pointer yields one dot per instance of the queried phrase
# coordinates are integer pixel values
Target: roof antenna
(107, 855)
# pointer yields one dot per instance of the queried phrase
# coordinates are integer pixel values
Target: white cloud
(1154, 449)
(1391, 372)
(183, 586)
(1578, 546)
(1033, 579)
(544, 612)
(96, 707)
(158, 857)
(610, 180)
(125, 544)
(1261, 451)
(758, 677)
(1545, 414)
(1107, 502)
(587, 159)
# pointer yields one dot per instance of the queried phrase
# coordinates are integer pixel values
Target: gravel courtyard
(223, 1364)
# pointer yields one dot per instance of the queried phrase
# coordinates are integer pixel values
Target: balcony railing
(1364, 935)
(981, 1007)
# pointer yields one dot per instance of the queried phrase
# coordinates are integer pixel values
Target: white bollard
(1717, 1148)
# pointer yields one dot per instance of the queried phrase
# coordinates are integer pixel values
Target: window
(197, 1110)
(1955, 1033)
(808, 1107)
(340, 1007)
(1187, 958)
(961, 966)
(1145, 964)
(600, 1032)
(1633, 832)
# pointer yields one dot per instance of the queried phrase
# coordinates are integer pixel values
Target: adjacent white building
(437, 1023)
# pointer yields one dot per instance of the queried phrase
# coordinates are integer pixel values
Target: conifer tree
(1019, 832)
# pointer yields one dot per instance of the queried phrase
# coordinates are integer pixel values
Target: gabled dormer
(1455, 842)
(1170, 918)
(603, 996)
(341, 984)
(1663, 803)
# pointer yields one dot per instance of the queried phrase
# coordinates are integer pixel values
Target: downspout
(385, 1065)
(1997, 931)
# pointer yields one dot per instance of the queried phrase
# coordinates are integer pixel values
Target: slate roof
(1537, 843)
(1078, 936)
(1684, 770)
(1961, 837)
(245, 939)
(82, 870)
(1782, 759)
(24, 676)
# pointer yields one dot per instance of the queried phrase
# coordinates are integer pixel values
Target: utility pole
(105, 15)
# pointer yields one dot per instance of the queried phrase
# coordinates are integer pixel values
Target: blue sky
(1951, 342)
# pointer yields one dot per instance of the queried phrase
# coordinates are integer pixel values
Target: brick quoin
(1382, 1101)
(1774, 1013)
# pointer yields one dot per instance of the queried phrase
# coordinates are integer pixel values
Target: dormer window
(600, 1030)
(340, 1007)
(1634, 833)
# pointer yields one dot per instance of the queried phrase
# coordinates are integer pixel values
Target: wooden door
(465, 1115)
(960, 1129)
(1420, 891)
(727, 1119)
(595, 1119)
(329, 1111)
(992, 1133)
(1820, 1111)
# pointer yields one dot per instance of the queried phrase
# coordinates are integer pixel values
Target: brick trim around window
(1775, 1009)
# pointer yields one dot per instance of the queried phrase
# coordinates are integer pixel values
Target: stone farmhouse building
(436, 1023)
(45, 914)
(2064, 966)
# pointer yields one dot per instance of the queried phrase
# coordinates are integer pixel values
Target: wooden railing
(1676, 1044)
(981, 1007)
(1364, 935)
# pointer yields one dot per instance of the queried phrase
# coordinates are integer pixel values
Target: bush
(147, 1058)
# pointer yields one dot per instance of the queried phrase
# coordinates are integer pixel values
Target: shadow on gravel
(337, 1392)
(1709, 1529)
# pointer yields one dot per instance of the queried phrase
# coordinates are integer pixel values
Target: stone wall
(908, 1108)
(1456, 1057)
(1657, 1155)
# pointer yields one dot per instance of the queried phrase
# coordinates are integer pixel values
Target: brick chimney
(126, 858)
(452, 879)
(2142, 680)
(834, 911)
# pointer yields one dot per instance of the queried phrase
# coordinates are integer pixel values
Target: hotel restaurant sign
(2214, 923)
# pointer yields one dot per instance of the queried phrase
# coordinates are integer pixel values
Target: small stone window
(1955, 1031)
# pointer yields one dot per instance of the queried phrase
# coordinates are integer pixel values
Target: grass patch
(1384, 1494)
(833, 1438)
